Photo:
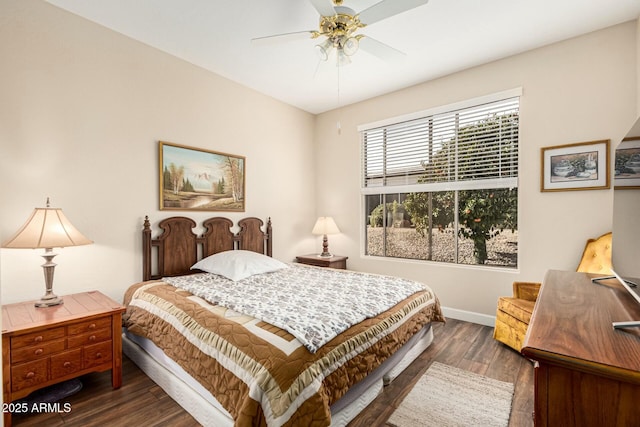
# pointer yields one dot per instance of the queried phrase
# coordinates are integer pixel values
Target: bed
(226, 366)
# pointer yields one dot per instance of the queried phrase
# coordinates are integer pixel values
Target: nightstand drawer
(97, 354)
(37, 351)
(90, 338)
(66, 363)
(37, 337)
(89, 326)
(29, 374)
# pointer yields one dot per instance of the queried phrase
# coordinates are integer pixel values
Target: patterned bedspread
(311, 303)
(261, 374)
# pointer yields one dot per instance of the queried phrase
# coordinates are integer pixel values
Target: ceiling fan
(339, 26)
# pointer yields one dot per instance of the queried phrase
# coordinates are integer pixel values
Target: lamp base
(49, 301)
(325, 248)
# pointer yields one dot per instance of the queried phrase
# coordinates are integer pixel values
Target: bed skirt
(202, 406)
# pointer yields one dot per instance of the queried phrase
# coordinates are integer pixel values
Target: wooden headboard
(177, 247)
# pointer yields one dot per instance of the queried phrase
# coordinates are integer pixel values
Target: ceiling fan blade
(324, 7)
(285, 37)
(387, 8)
(381, 50)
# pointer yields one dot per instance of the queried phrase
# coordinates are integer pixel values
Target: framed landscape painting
(627, 165)
(200, 180)
(581, 166)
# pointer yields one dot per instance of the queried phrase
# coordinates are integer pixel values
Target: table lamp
(47, 228)
(325, 225)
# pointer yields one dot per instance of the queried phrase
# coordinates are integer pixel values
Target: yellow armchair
(596, 257)
(514, 313)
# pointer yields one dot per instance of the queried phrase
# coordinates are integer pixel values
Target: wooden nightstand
(45, 346)
(336, 261)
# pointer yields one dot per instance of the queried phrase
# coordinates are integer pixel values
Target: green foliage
(437, 206)
(482, 214)
(376, 219)
(166, 179)
(187, 186)
(220, 186)
(474, 143)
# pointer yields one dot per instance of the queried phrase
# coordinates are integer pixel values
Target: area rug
(448, 396)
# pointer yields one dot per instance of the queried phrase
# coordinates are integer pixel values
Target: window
(442, 186)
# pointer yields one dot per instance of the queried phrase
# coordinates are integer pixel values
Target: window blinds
(468, 148)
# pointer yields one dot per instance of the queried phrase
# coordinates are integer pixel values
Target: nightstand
(45, 346)
(335, 261)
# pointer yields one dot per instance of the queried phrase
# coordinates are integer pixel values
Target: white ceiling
(438, 38)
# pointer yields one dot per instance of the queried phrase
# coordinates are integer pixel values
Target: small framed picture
(626, 175)
(195, 179)
(581, 166)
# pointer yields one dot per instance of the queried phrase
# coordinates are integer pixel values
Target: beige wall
(82, 109)
(578, 90)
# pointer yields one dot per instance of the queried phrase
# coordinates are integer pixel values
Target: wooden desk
(45, 346)
(587, 373)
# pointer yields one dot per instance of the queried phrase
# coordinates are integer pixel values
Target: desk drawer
(29, 374)
(90, 338)
(89, 326)
(37, 338)
(97, 354)
(37, 351)
(66, 363)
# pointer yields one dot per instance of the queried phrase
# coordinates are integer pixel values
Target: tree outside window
(471, 215)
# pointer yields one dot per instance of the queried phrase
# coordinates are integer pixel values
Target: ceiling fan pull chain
(338, 125)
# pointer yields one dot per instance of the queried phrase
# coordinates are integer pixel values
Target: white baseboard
(469, 316)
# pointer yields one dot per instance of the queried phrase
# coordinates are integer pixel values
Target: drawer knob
(92, 326)
(92, 338)
(30, 375)
(38, 352)
(38, 338)
(98, 355)
(66, 364)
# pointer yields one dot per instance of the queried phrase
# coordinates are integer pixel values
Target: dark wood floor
(139, 402)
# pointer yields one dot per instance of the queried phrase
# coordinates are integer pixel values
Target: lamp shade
(325, 225)
(47, 228)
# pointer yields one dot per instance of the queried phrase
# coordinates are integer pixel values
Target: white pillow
(238, 264)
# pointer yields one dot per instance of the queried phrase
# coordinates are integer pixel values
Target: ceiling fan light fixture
(339, 25)
(324, 49)
(343, 59)
(350, 46)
